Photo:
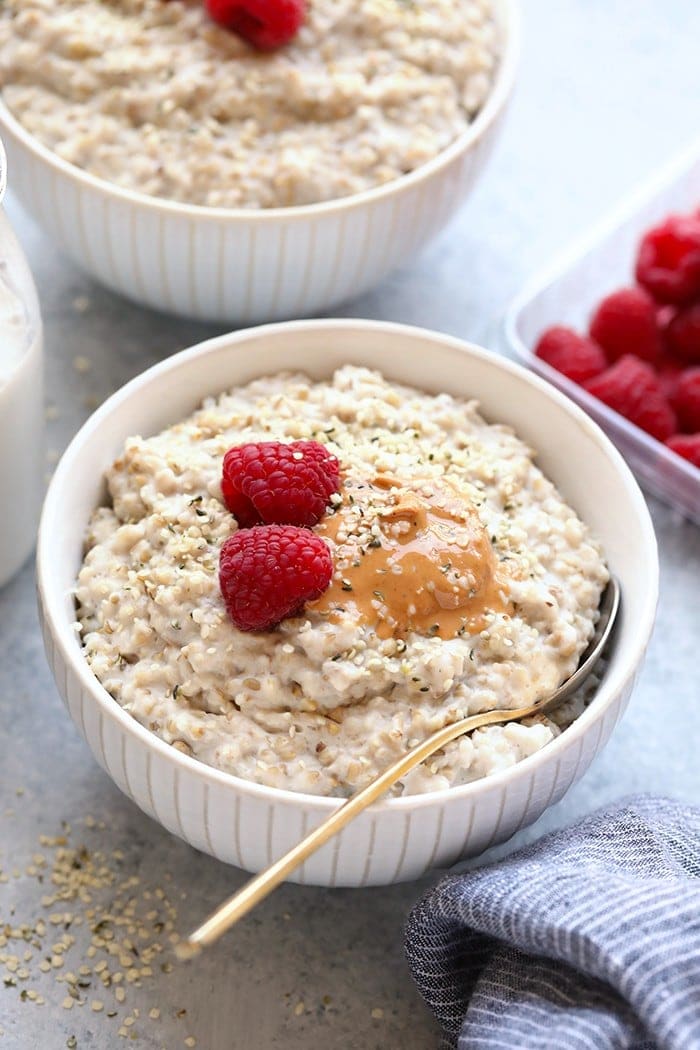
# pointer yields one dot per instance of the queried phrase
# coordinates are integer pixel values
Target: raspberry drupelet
(266, 24)
(687, 446)
(686, 400)
(683, 334)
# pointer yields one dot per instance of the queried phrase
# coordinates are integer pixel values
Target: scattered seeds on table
(99, 930)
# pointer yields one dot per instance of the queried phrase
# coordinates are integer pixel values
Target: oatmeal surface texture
(152, 95)
(328, 699)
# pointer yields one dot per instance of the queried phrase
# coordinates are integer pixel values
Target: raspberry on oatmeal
(275, 482)
(268, 572)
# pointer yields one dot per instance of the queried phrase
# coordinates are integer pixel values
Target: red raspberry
(686, 400)
(570, 353)
(267, 573)
(687, 446)
(625, 323)
(664, 316)
(668, 261)
(669, 371)
(683, 334)
(266, 24)
(277, 483)
(632, 388)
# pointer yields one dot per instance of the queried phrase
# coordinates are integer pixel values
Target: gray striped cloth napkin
(589, 939)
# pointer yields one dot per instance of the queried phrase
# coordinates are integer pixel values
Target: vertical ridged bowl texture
(250, 825)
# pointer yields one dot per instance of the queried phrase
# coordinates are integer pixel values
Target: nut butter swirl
(415, 559)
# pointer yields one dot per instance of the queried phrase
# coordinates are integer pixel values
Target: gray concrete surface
(608, 90)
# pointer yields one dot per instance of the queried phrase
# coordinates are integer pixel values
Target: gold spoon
(257, 888)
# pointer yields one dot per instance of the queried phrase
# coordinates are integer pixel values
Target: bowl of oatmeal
(197, 176)
(467, 571)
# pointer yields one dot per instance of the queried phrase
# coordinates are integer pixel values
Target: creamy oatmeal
(462, 583)
(152, 95)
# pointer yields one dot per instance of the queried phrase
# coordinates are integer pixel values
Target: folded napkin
(589, 939)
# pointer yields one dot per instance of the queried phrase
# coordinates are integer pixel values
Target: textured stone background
(607, 92)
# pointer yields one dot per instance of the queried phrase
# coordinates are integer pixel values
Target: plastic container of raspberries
(570, 290)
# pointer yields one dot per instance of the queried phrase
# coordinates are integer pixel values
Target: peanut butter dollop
(411, 560)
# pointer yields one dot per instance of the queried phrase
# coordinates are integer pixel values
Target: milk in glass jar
(21, 401)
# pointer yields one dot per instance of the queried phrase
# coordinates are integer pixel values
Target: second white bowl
(245, 266)
(250, 825)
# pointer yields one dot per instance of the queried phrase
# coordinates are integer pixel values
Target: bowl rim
(63, 633)
(508, 21)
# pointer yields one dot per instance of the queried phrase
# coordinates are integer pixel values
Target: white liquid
(13, 330)
(21, 431)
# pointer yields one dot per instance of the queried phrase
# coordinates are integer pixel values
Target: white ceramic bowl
(246, 266)
(250, 825)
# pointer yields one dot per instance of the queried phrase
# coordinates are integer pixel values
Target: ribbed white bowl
(246, 266)
(250, 825)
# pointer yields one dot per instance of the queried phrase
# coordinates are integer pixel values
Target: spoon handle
(257, 888)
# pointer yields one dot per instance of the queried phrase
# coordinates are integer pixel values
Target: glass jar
(21, 401)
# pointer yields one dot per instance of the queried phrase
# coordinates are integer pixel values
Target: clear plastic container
(568, 292)
(21, 401)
